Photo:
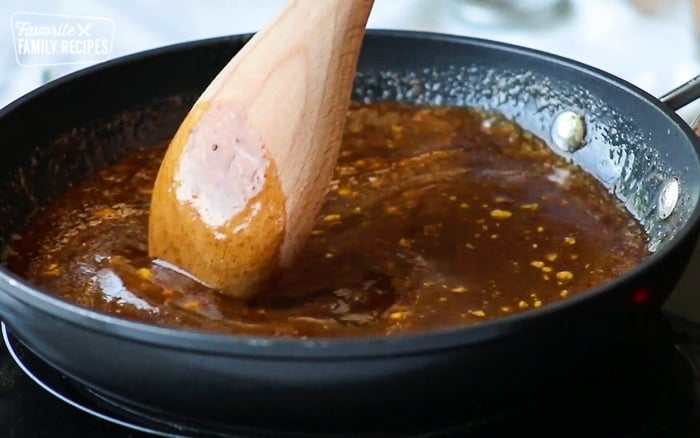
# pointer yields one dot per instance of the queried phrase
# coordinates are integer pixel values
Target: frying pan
(634, 144)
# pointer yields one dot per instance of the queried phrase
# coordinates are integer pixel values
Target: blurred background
(653, 44)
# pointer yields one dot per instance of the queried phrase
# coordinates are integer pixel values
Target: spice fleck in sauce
(436, 217)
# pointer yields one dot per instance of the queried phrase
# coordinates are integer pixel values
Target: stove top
(647, 387)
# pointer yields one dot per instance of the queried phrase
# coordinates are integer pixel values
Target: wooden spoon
(247, 171)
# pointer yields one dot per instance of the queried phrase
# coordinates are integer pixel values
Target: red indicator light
(640, 296)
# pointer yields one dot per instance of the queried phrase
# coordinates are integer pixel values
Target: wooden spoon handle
(318, 66)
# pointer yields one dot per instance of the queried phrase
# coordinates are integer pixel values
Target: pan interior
(632, 146)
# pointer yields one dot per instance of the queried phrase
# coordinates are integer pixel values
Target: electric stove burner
(105, 408)
(62, 388)
(647, 387)
(192, 427)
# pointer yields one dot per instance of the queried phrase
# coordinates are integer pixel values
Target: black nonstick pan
(634, 143)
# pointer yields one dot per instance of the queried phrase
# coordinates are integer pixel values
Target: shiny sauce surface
(436, 217)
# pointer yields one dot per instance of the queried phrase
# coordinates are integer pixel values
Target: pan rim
(351, 347)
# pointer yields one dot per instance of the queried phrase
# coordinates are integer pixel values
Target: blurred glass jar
(511, 12)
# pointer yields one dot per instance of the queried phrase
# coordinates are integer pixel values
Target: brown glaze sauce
(437, 217)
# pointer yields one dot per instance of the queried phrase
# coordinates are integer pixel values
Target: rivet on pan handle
(676, 99)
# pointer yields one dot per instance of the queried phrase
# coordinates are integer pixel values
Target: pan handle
(682, 95)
